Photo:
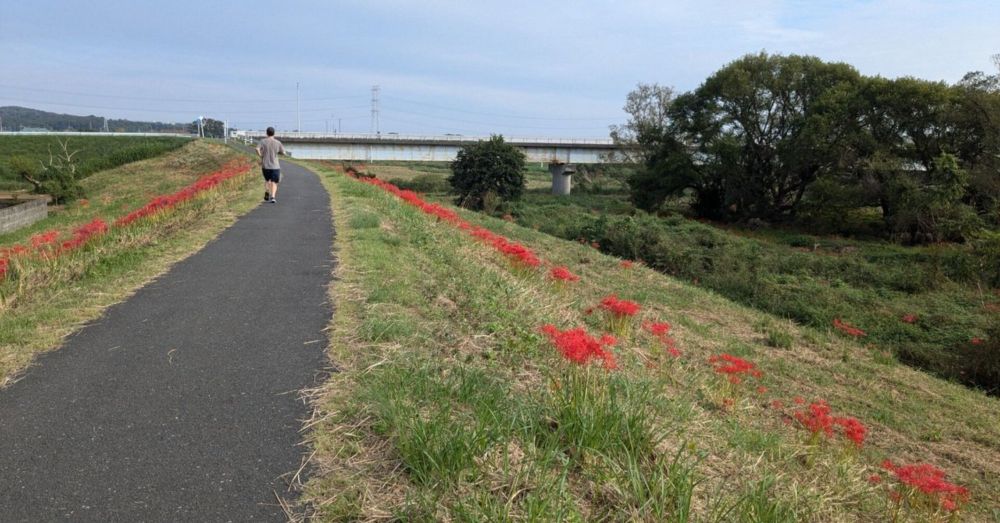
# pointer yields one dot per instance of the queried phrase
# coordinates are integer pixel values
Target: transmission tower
(375, 125)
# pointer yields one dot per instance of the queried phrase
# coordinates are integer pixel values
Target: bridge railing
(424, 138)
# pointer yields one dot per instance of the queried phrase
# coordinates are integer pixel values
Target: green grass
(52, 300)
(809, 279)
(468, 413)
(94, 153)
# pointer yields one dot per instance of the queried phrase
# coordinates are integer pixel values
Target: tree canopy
(487, 170)
(770, 137)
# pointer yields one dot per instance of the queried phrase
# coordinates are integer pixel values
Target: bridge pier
(562, 177)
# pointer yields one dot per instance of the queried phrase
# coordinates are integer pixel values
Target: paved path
(180, 404)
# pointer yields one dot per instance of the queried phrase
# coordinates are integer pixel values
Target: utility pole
(375, 126)
(298, 117)
(338, 126)
(225, 131)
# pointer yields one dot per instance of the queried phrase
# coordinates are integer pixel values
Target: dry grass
(465, 310)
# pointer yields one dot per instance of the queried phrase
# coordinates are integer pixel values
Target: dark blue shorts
(272, 175)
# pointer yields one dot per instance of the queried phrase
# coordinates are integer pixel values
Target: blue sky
(532, 68)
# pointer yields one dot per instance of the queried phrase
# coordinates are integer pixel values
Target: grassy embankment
(922, 305)
(93, 153)
(452, 405)
(50, 298)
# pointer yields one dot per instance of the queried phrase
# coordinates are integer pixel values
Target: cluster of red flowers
(47, 244)
(160, 203)
(515, 251)
(579, 347)
(734, 367)
(84, 233)
(817, 419)
(930, 481)
(620, 308)
(976, 341)
(562, 274)
(661, 330)
(847, 328)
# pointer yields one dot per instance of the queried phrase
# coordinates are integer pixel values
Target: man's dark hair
(270, 131)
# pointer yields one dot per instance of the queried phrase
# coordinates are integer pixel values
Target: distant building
(34, 130)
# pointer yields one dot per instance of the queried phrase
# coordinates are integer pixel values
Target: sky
(521, 68)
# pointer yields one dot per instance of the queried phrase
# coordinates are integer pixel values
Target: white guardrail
(423, 138)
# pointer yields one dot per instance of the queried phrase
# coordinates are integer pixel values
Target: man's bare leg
(274, 189)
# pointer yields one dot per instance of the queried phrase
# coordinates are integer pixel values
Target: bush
(424, 183)
(488, 166)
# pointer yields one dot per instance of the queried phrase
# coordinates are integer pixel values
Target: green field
(451, 405)
(946, 293)
(94, 153)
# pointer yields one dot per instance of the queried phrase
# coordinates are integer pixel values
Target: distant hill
(23, 118)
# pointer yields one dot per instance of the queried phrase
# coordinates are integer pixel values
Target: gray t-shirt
(269, 148)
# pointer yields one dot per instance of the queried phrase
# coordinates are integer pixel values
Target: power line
(147, 109)
(181, 100)
(480, 122)
(513, 116)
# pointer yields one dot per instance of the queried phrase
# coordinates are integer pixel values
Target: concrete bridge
(374, 147)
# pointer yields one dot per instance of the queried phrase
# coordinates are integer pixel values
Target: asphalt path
(181, 403)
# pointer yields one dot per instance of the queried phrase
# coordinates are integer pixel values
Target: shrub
(425, 183)
(58, 179)
(484, 167)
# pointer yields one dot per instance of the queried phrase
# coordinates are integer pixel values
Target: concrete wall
(23, 214)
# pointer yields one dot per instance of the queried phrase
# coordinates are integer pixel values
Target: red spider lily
(661, 330)
(579, 347)
(777, 405)
(658, 329)
(734, 366)
(517, 252)
(761, 390)
(39, 241)
(618, 307)
(875, 479)
(563, 274)
(799, 400)
(817, 420)
(4, 265)
(847, 328)
(929, 480)
(976, 341)
(909, 318)
(161, 203)
(84, 233)
(626, 264)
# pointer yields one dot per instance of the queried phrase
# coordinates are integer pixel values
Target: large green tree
(487, 171)
(750, 140)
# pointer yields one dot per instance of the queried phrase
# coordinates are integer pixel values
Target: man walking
(268, 149)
